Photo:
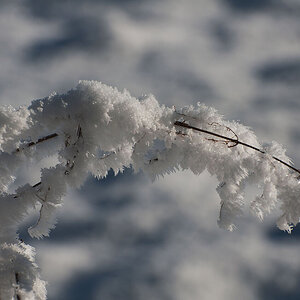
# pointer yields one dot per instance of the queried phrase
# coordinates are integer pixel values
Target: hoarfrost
(94, 128)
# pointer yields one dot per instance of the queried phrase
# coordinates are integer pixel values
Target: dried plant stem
(180, 124)
(237, 142)
(18, 297)
(43, 139)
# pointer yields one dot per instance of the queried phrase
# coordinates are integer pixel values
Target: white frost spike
(94, 128)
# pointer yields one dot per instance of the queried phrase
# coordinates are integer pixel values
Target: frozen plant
(94, 128)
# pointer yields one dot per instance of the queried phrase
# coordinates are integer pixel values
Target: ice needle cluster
(94, 128)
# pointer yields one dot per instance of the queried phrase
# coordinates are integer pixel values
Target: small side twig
(228, 129)
(71, 163)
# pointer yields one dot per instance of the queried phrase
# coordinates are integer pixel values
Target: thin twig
(18, 297)
(43, 201)
(177, 123)
(185, 125)
(33, 186)
(70, 164)
(43, 139)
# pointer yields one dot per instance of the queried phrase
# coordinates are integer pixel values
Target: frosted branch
(95, 128)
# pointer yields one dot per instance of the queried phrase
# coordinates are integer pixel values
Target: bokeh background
(126, 237)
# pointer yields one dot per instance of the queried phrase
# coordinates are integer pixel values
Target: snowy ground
(126, 237)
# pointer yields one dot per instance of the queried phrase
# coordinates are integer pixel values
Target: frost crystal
(95, 128)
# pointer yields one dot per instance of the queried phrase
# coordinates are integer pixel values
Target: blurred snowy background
(125, 237)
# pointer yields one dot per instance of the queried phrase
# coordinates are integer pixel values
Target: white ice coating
(94, 128)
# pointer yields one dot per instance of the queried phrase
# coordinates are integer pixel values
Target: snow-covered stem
(185, 125)
(235, 141)
(94, 128)
(40, 140)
